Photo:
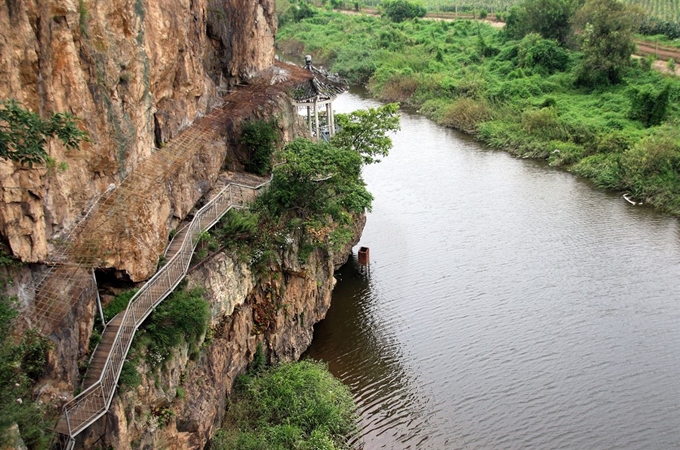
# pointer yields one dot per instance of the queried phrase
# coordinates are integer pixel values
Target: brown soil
(665, 53)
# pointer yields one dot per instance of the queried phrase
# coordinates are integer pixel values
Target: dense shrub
(466, 114)
(534, 51)
(549, 18)
(295, 405)
(182, 317)
(400, 10)
(651, 26)
(118, 304)
(648, 104)
(259, 137)
(21, 365)
(543, 124)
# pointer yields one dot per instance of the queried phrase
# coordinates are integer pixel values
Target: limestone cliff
(181, 405)
(136, 71)
(139, 73)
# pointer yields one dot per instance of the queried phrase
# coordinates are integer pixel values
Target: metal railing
(94, 402)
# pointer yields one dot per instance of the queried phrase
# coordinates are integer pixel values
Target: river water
(508, 305)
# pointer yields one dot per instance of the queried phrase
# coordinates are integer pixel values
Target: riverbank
(518, 96)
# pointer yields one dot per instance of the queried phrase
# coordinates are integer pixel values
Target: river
(508, 306)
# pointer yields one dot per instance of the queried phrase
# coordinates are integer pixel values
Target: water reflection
(370, 362)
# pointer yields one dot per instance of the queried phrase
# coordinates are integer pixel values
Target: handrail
(94, 402)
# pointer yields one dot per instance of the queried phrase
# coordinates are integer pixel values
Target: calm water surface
(509, 305)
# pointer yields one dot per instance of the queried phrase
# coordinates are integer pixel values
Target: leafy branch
(23, 134)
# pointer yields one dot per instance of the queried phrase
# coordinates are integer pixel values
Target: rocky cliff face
(139, 72)
(181, 405)
(136, 71)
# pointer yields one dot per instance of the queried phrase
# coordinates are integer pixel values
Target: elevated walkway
(112, 219)
(109, 357)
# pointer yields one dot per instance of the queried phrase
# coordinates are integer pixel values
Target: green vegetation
(549, 18)
(606, 40)
(295, 405)
(313, 196)
(363, 131)
(23, 134)
(118, 304)
(595, 112)
(259, 138)
(22, 363)
(181, 318)
(663, 10)
(400, 10)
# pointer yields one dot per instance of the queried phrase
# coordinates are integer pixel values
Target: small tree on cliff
(320, 183)
(23, 134)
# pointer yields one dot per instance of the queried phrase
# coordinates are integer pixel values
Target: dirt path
(665, 53)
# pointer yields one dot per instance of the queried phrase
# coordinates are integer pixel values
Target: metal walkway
(95, 401)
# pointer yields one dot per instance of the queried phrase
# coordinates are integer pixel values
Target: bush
(603, 169)
(295, 405)
(543, 124)
(651, 26)
(303, 11)
(549, 18)
(535, 51)
(129, 376)
(260, 137)
(400, 10)
(21, 365)
(654, 154)
(649, 105)
(182, 317)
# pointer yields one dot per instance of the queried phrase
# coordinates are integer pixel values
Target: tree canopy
(549, 18)
(365, 131)
(319, 179)
(607, 40)
(320, 182)
(400, 10)
(23, 134)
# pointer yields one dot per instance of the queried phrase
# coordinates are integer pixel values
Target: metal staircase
(95, 400)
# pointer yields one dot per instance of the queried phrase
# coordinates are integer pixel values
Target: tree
(319, 179)
(320, 183)
(365, 131)
(400, 10)
(607, 40)
(549, 18)
(23, 134)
